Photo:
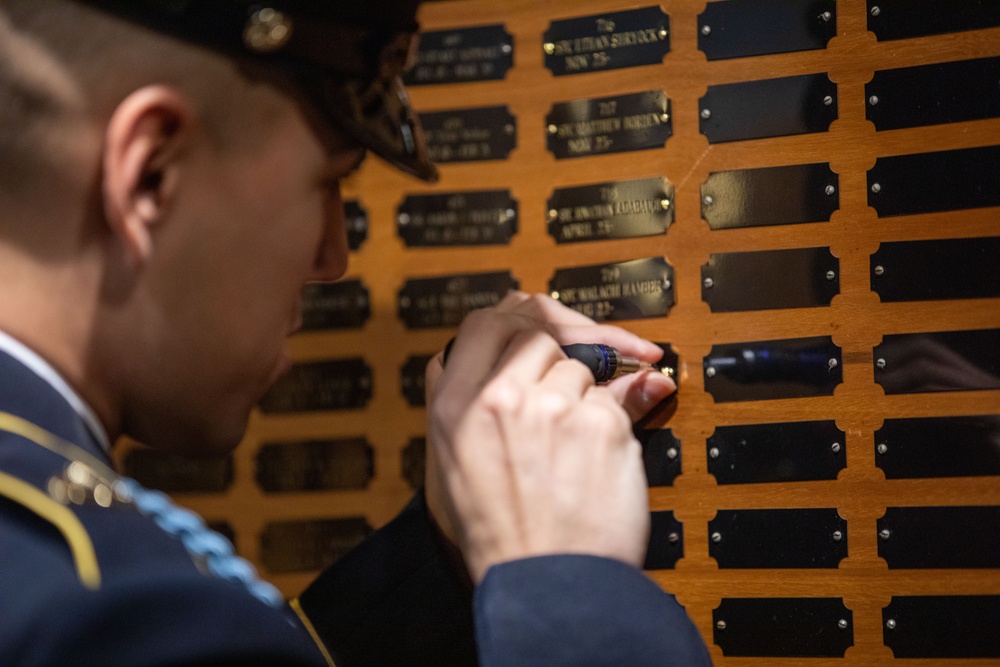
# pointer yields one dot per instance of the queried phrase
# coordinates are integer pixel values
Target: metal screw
(709, 283)
(882, 448)
(837, 536)
(826, 16)
(710, 372)
(672, 453)
(716, 537)
(829, 190)
(404, 302)
(873, 100)
(673, 538)
(511, 213)
(667, 284)
(553, 129)
(664, 117)
(553, 215)
(884, 533)
(721, 625)
(404, 219)
(706, 30)
(550, 48)
(876, 188)
(879, 270)
(508, 128)
(828, 101)
(554, 295)
(506, 48)
(880, 363)
(835, 448)
(891, 624)
(830, 275)
(709, 200)
(714, 452)
(832, 364)
(665, 203)
(663, 33)
(706, 113)
(842, 624)
(876, 11)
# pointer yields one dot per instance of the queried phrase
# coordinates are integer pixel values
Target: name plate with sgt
(303, 546)
(789, 452)
(940, 537)
(341, 384)
(938, 361)
(315, 465)
(174, 473)
(482, 53)
(609, 125)
(666, 542)
(770, 196)
(937, 269)
(901, 19)
(615, 210)
(631, 290)
(607, 41)
(783, 627)
(340, 305)
(942, 626)
(770, 279)
(470, 135)
(792, 538)
(412, 379)
(661, 456)
(915, 448)
(773, 369)
(486, 217)
(741, 28)
(426, 303)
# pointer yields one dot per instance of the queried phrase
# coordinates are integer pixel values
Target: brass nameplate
(609, 125)
(615, 210)
(487, 217)
(470, 135)
(607, 41)
(444, 301)
(622, 291)
(482, 53)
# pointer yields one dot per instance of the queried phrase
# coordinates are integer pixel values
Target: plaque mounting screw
(882, 448)
(709, 200)
(673, 538)
(672, 453)
(891, 624)
(714, 452)
(842, 624)
(508, 128)
(511, 213)
(664, 117)
(706, 113)
(665, 203)
(884, 533)
(706, 30)
(404, 302)
(721, 625)
(554, 295)
(873, 100)
(876, 11)
(876, 188)
(709, 283)
(506, 48)
(826, 16)
(553, 215)
(879, 270)
(832, 364)
(404, 219)
(710, 372)
(828, 101)
(835, 448)
(550, 48)
(553, 129)
(829, 190)
(663, 33)
(880, 363)
(838, 536)
(830, 275)
(716, 537)
(667, 284)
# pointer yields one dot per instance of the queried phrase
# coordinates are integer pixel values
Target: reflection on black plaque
(768, 108)
(942, 626)
(174, 473)
(900, 19)
(341, 384)
(770, 196)
(791, 368)
(757, 27)
(609, 125)
(938, 361)
(469, 135)
(356, 220)
(482, 53)
(412, 379)
(661, 456)
(315, 465)
(789, 452)
(623, 291)
(486, 217)
(923, 447)
(426, 303)
(666, 542)
(340, 305)
(783, 627)
(302, 546)
(615, 210)
(770, 279)
(937, 269)
(415, 462)
(940, 537)
(607, 41)
(790, 538)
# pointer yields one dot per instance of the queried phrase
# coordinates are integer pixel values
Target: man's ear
(145, 144)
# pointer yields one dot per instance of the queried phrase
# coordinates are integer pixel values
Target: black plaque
(938, 361)
(768, 108)
(470, 135)
(661, 456)
(790, 538)
(415, 462)
(940, 537)
(901, 19)
(942, 626)
(426, 303)
(460, 55)
(790, 368)
(783, 627)
(485, 217)
(609, 125)
(770, 279)
(607, 41)
(412, 379)
(934, 94)
(666, 542)
(937, 269)
(789, 452)
(924, 447)
(631, 290)
(615, 210)
(174, 473)
(340, 305)
(356, 220)
(315, 465)
(770, 196)
(758, 27)
(932, 182)
(340, 384)
(303, 546)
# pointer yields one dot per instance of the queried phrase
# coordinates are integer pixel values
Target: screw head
(873, 100)
(720, 625)
(830, 275)
(708, 200)
(829, 190)
(665, 204)
(891, 624)
(833, 363)
(662, 33)
(673, 538)
(553, 129)
(837, 536)
(664, 117)
(835, 448)
(706, 113)
(404, 219)
(876, 188)
(710, 372)
(716, 537)
(882, 448)
(706, 30)
(876, 11)
(828, 101)
(672, 453)
(549, 47)
(884, 533)
(553, 215)
(404, 302)
(554, 295)
(506, 48)
(714, 452)
(880, 363)
(709, 283)
(879, 270)
(842, 624)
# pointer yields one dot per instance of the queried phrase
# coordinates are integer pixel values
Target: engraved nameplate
(938, 361)
(482, 53)
(768, 108)
(770, 279)
(174, 473)
(741, 28)
(469, 135)
(783, 627)
(661, 456)
(315, 465)
(607, 41)
(937, 269)
(302, 546)
(415, 462)
(615, 210)
(609, 125)
(942, 626)
(791, 368)
(426, 303)
(485, 217)
(356, 220)
(770, 196)
(793, 538)
(631, 290)
(787, 452)
(901, 19)
(666, 542)
(412, 379)
(340, 305)
(914, 448)
(340, 384)
(940, 537)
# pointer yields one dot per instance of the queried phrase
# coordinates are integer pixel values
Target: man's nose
(331, 255)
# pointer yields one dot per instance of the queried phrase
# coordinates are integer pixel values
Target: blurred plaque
(790, 368)
(469, 135)
(609, 125)
(486, 217)
(770, 279)
(901, 19)
(938, 361)
(666, 542)
(783, 627)
(741, 28)
(340, 305)
(415, 462)
(937, 269)
(412, 379)
(791, 538)
(303, 546)
(942, 626)
(770, 196)
(481, 53)
(174, 473)
(788, 452)
(631, 290)
(315, 465)
(915, 448)
(426, 303)
(768, 108)
(223, 528)
(607, 41)
(931, 182)
(615, 210)
(940, 537)
(340, 384)
(661, 456)
(934, 94)
(356, 219)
